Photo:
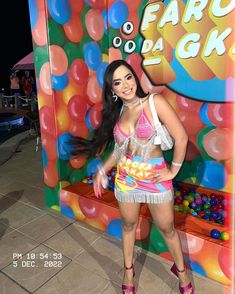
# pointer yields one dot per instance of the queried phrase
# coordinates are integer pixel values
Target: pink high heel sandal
(184, 289)
(129, 288)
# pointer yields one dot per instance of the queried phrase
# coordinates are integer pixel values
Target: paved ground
(71, 257)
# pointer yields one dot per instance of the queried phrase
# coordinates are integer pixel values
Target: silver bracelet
(176, 164)
(101, 171)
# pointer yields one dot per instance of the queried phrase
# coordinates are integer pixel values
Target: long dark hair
(103, 135)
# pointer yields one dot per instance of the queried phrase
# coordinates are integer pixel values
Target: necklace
(133, 101)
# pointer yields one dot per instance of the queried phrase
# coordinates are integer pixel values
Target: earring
(115, 97)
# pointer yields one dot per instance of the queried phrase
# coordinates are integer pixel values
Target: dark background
(16, 39)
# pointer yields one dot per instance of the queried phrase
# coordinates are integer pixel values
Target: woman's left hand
(163, 174)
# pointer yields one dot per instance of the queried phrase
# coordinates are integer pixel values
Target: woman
(142, 175)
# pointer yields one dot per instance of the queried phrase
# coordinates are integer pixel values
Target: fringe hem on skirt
(145, 197)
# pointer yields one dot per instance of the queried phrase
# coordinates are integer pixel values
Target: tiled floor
(43, 252)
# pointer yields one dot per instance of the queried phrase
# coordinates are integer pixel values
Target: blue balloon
(204, 116)
(64, 148)
(44, 158)
(93, 166)
(100, 73)
(59, 82)
(33, 9)
(195, 266)
(88, 120)
(212, 174)
(66, 210)
(60, 10)
(118, 14)
(105, 20)
(115, 228)
(92, 55)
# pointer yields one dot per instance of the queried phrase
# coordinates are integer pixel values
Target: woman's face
(124, 84)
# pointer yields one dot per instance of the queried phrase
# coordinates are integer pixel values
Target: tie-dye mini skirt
(134, 181)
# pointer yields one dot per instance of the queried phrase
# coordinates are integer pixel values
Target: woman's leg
(163, 216)
(130, 217)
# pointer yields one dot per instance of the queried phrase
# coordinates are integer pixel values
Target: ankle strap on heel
(129, 268)
(179, 271)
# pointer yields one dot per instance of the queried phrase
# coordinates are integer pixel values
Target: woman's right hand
(99, 183)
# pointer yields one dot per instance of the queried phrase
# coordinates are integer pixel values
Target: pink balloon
(59, 60)
(77, 108)
(218, 144)
(79, 71)
(148, 86)
(94, 24)
(220, 114)
(189, 104)
(73, 29)
(114, 54)
(45, 79)
(94, 91)
(39, 32)
(89, 208)
(96, 115)
(135, 61)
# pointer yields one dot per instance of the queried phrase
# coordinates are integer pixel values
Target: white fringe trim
(145, 197)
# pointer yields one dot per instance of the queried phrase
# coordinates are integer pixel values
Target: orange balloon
(45, 79)
(49, 144)
(59, 60)
(63, 120)
(94, 24)
(73, 29)
(143, 229)
(51, 174)
(94, 92)
(76, 5)
(218, 143)
(114, 54)
(43, 98)
(39, 32)
(78, 161)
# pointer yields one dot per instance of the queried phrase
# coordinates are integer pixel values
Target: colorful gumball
(49, 145)
(92, 55)
(33, 12)
(51, 174)
(96, 115)
(39, 32)
(94, 91)
(72, 51)
(45, 79)
(64, 148)
(220, 114)
(188, 104)
(100, 73)
(204, 115)
(59, 82)
(114, 54)
(97, 4)
(215, 234)
(117, 14)
(47, 122)
(79, 129)
(77, 108)
(224, 236)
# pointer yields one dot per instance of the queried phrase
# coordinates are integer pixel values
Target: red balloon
(107, 215)
(143, 229)
(51, 174)
(77, 108)
(191, 152)
(79, 71)
(135, 61)
(73, 28)
(89, 208)
(220, 114)
(134, 19)
(59, 60)
(191, 122)
(79, 129)
(96, 115)
(78, 161)
(99, 4)
(218, 143)
(189, 104)
(47, 120)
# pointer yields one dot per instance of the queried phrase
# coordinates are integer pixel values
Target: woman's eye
(116, 83)
(129, 77)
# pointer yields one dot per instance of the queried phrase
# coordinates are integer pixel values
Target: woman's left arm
(169, 118)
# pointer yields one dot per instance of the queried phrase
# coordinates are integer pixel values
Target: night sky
(16, 39)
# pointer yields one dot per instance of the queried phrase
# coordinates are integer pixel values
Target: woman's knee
(129, 226)
(168, 231)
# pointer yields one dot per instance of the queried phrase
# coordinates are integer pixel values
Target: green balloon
(40, 57)
(156, 241)
(200, 136)
(104, 44)
(55, 33)
(64, 169)
(52, 195)
(141, 9)
(72, 51)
